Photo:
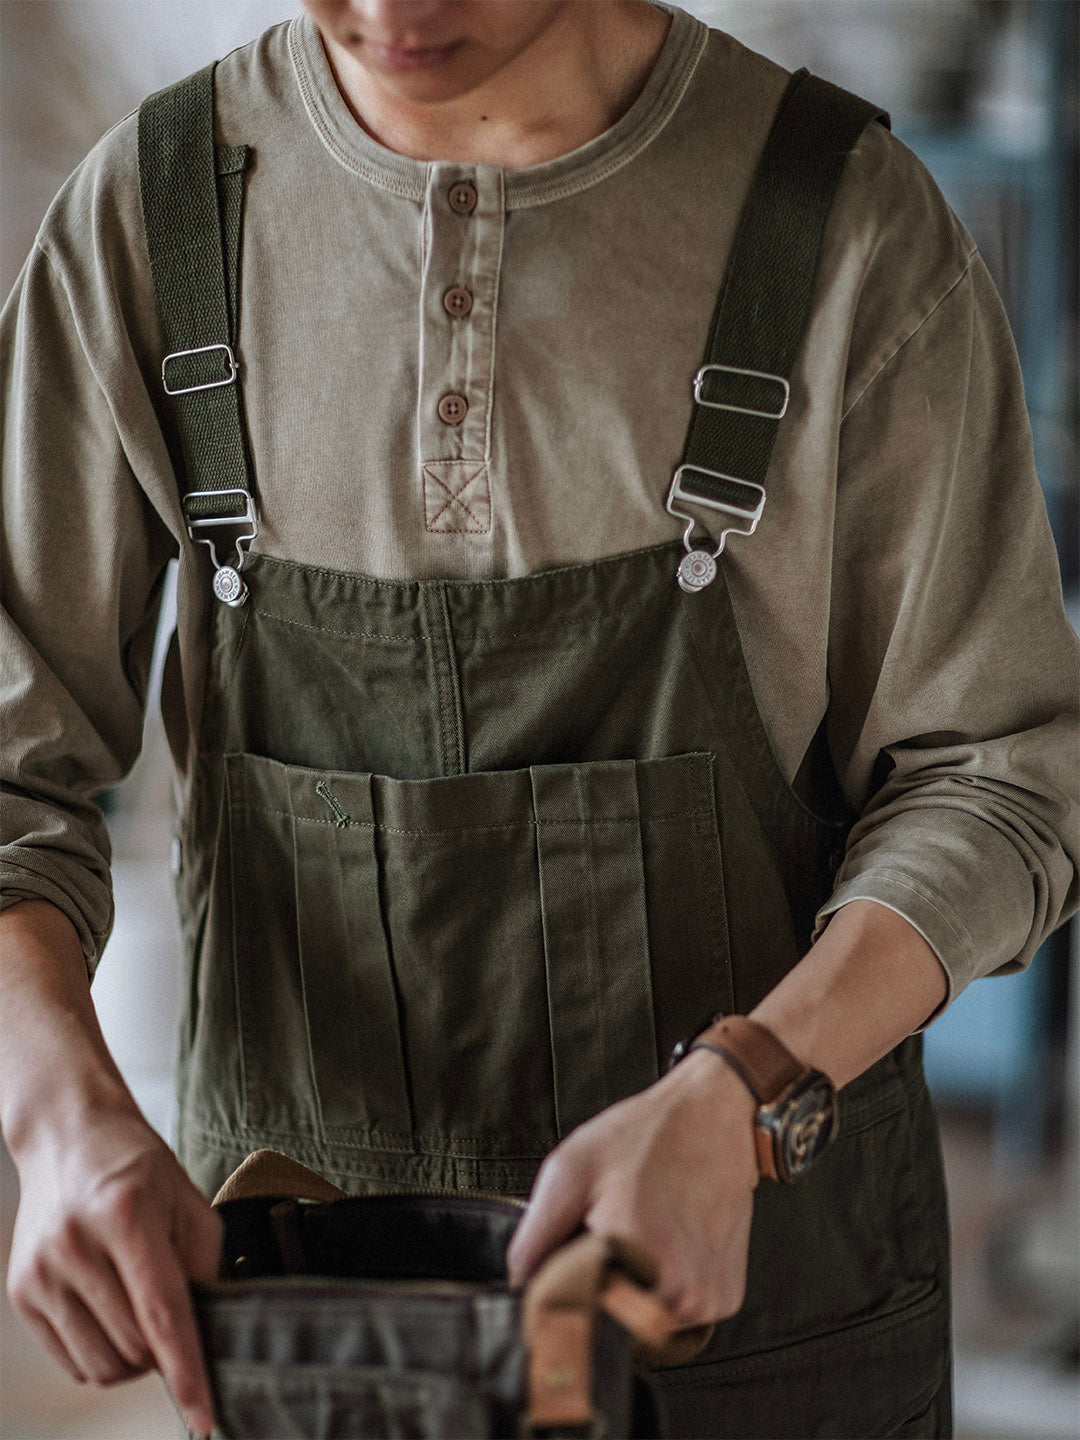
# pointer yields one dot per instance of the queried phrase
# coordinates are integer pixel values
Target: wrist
(793, 1105)
(706, 1076)
(57, 1078)
(55, 1113)
(710, 1100)
(867, 983)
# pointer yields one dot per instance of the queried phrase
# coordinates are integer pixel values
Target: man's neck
(577, 79)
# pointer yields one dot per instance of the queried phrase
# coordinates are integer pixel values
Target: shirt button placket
(458, 301)
(462, 249)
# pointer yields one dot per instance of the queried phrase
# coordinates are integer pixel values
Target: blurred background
(985, 91)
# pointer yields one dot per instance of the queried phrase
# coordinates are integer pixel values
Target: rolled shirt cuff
(968, 893)
(85, 899)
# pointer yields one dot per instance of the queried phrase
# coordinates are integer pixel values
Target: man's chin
(429, 84)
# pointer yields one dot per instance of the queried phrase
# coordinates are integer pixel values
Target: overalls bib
(462, 861)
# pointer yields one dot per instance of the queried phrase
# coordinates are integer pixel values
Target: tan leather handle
(268, 1172)
(559, 1311)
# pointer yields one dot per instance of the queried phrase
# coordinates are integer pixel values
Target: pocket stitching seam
(629, 820)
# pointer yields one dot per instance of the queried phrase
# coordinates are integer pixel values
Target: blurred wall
(69, 69)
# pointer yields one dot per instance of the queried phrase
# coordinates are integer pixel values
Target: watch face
(802, 1123)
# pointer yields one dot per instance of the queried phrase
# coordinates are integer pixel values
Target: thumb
(556, 1210)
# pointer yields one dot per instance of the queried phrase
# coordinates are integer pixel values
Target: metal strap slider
(773, 414)
(205, 384)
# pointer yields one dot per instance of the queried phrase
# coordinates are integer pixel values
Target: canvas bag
(391, 1315)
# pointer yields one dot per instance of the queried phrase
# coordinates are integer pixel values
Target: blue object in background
(990, 1048)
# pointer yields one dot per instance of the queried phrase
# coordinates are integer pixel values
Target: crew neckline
(354, 149)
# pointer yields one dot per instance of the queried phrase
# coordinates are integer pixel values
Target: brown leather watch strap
(754, 1053)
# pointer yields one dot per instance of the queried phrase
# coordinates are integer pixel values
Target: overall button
(457, 301)
(462, 197)
(453, 408)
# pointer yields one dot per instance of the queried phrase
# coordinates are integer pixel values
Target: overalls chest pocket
(452, 973)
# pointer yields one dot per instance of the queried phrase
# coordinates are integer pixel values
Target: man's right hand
(110, 1229)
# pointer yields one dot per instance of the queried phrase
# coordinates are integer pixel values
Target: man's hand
(673, 1168)
(109, 1232)
(673, 1171)
(110, 1229)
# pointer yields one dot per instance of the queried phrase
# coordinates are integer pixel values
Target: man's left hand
(672, 1170)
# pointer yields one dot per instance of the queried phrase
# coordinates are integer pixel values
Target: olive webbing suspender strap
(192, 202)
(742, 389)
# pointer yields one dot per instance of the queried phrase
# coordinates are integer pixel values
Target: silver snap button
(696, 570)
(228, 586)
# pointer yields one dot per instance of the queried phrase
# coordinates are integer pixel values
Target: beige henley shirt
(902, 583)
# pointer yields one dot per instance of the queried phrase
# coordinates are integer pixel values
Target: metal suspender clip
(229, 379)
(228, 586)
(742, 501)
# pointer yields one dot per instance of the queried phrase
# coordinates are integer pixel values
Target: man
(462, 859)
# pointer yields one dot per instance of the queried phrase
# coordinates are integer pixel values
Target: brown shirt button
(462, 197)
(457, 301)
(453, 408)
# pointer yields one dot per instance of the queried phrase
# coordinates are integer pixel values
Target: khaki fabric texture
(900, 598)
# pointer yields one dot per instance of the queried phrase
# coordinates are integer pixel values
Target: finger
(702, 1293)
(51, 1341)
(556, 1209)
(161, 1300)
(95, 1281)
(92, 1352)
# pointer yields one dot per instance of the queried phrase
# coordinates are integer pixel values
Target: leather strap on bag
(561, 1302)
(268, 1173)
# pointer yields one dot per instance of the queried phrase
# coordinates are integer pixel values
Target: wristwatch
(797, 1112)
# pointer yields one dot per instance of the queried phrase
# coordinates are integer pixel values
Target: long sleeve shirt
(901, 593)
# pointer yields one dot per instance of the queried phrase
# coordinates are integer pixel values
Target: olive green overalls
(463, 860)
